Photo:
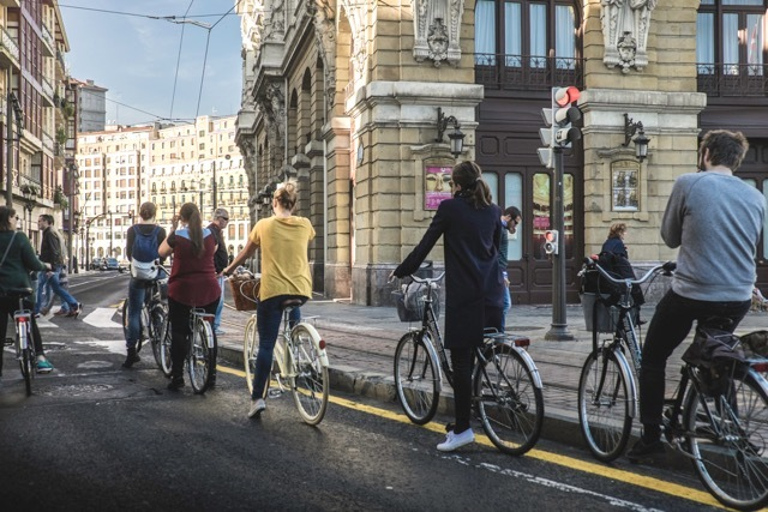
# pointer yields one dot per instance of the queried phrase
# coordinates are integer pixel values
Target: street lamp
(456, 137)
(30, 196)
(641, 141)
(111, 232)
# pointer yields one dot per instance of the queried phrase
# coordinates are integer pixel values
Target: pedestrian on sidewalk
(192, 283)
(715, 219)
(284, 242)
(63, 280)
(51, 253)
(474, 287)
(509, 221)
(220, 260)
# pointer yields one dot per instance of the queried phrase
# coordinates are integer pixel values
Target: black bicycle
(507, 396)
(23, 341)
(718, 416)
(154, 324)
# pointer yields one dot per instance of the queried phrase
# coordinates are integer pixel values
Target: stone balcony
(9, 51)
(49, 44)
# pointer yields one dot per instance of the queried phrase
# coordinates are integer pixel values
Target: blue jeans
(217, 320)
(505, 308)
(56, 288)
(669, 326)
(43, 291)
(137, 297)
(269, 314)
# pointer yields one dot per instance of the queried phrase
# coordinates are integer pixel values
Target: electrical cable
(178, 61)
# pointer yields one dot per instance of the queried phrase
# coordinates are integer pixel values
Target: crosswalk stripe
(102, 317)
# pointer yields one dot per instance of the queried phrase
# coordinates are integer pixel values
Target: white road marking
(102, 317)
(113, 346)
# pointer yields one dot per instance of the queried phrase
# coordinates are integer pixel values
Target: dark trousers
(7, 308)
(179, 315)
(671, 324)
(269, 315)
(462, 360)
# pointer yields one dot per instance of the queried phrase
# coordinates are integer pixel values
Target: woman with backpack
(141, 248)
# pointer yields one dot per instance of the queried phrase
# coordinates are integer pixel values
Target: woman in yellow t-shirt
(284, 241)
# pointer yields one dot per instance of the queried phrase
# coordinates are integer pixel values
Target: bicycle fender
(629, 378)
(529, 363)
(319, 343)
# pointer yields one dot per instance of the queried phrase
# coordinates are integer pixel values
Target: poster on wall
(437, 186)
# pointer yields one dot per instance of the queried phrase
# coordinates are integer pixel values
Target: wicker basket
(245, 290)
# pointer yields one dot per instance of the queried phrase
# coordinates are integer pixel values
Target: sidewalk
(361, 345)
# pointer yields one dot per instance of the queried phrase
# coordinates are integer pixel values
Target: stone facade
(343, 97)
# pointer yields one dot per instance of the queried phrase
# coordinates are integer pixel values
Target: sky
(136, 57)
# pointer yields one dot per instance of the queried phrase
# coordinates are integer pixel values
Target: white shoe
(257, 407)
(454, 441)
(220, 332)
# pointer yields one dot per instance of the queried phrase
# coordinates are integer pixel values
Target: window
(525, 32)
(740, 49)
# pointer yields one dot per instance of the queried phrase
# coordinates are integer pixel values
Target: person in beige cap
(220, 259)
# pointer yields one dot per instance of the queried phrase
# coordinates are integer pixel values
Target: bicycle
(23, 343)
(203, 348)
(154, 324)
(507, 388)
(723, 429)
(300, 363)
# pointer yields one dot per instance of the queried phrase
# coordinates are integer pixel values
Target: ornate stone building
(344, 96)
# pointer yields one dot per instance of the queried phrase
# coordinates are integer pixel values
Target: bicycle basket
(245, 290)
(410, 302)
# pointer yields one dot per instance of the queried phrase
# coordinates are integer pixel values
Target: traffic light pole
(559, 330)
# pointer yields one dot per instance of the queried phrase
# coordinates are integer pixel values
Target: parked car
(109, 264)
(124, 265)
(96, 264)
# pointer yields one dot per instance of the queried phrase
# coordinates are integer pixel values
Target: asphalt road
(97, 437)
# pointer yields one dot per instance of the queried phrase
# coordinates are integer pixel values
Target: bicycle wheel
(510, 406)
(604, 406)
(417, 378)
(250, 349)
(731, 449)
(311, 383)
(161, 348)
(201, 360)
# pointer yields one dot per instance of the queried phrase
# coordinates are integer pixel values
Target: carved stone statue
(436, 24)
(626, 22)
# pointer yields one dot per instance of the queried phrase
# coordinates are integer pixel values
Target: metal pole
(71, 217)
(111, 233)
(215, 192)
(559, 330)
(9, 144)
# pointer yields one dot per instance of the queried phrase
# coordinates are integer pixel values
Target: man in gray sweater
(715, 219)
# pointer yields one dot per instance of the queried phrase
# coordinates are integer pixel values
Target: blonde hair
(617, 230)
(286, 195)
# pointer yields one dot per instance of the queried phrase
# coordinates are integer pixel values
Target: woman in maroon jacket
(192, 283)
(474, 284)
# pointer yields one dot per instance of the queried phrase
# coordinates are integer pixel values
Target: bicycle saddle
(291, 303)
(18, 292)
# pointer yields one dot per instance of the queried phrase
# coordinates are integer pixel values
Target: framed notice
(437, 186)
(625, 189)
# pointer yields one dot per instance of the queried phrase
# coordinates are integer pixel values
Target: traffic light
(564, 113)
(545, 134)
(551, 241)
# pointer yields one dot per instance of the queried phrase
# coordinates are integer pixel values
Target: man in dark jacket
(50, 252)
(220, 259)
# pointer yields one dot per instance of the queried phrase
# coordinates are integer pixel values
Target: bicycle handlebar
(667, 268)
(427, 280)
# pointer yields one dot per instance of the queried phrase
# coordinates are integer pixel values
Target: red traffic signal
(551, 241)
(563, 96)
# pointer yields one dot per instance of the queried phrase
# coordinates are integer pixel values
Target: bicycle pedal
(275, 393)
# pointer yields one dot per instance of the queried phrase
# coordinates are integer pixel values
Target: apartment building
(34, 99)
(169, 165)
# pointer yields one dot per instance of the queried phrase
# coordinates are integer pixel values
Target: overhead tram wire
(178, 60)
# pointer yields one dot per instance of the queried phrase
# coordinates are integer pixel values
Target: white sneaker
(257, 407)
(454, 441)
(220, 332)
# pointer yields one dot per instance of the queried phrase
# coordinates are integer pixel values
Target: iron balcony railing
(527, 72)
(9, 45)
(733, 79)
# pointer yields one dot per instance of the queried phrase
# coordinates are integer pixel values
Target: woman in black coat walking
(471, 226)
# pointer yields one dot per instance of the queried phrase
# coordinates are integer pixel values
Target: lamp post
(111, 233)
(30, 196)
(641, 141)
(456, 137)
(202, 186)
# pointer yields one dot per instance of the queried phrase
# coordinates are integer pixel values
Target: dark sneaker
(644, 451)
(131, 359)
(176, 383)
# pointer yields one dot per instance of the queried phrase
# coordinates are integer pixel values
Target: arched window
(526, 33)
(739, 50)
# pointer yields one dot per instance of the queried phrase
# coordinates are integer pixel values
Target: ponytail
(191, 216)
(467, 174)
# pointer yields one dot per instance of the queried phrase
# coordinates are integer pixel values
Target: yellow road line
(627, 477)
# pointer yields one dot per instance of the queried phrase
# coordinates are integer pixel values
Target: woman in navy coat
(471, 226)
